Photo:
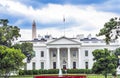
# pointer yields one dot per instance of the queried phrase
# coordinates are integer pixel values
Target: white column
(48, 59)
(68, 58)
(79, 58)
(58, 58)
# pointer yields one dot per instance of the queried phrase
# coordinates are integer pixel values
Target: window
(42, 53)
(34, 53)
(42, 65)
(86, 52)
(25, 66)
(74, 65)
(64, 54)
(54, 65)
(74, 54)
(86, 65)
(54, 54)
(33, 65)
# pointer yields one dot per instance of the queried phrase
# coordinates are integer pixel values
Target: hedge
(54, 71)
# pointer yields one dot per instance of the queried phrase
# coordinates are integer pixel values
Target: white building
(63, 52)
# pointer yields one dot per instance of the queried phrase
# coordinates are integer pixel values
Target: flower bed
(81, 76)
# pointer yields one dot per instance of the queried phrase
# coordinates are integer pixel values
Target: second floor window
(42, 53)
(74, 54)
(54, 54)
(86, 52)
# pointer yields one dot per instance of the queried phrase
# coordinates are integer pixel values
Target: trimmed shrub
(21, 72)
(54, 71)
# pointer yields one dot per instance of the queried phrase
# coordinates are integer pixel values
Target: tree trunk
(105, 75)
(6, 74)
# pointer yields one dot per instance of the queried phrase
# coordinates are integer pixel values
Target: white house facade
(66, 53)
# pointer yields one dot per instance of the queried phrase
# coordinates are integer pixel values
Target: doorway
(64, 66)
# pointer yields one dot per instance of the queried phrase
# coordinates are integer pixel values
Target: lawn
(88, 76)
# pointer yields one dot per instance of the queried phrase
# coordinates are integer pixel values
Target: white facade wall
(66, 44)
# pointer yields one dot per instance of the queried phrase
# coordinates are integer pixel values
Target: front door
(64, 66)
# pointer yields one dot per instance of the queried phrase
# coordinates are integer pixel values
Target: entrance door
(64, 66)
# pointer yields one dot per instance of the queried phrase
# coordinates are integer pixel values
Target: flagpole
(64, 23)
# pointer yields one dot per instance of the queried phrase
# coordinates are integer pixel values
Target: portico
(65, 58)
(63, 54)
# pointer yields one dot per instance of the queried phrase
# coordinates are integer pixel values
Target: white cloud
(87, 19)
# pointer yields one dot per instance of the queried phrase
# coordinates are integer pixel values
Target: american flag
(63, 19)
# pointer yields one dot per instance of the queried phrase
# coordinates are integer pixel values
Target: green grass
(88, 76)
(22, 77)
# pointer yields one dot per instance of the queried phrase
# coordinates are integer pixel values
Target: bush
(54, 71)
(36, 72)
(21, 72)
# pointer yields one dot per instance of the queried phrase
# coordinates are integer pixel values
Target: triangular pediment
(64, 41)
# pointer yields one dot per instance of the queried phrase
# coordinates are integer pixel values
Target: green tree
(27, 50)
(4, 22)
(10, 60)
(110, 30)
(105, 62)
(117, 53)
(8, 34)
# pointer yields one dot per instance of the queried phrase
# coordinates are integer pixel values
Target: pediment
(64, 41)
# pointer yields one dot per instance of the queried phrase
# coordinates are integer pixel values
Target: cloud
(79, 18)
(109, 6)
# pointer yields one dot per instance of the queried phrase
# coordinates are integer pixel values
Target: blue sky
(81, 16)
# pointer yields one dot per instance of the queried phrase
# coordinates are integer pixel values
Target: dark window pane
(33, 65)
(86, 52)
(42, 53)
(54, 65)
(42, 65)
(74, 65)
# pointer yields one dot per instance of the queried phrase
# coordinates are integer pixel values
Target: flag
(63, 19)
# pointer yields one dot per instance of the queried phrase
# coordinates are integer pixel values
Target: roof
(89, 39)
(35, 40)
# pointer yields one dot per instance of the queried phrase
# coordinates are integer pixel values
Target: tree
(110, 30)
(4, 22)
(27, 50)
(105, 62)
(10, 60)
(8, 34)
(117, 53)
